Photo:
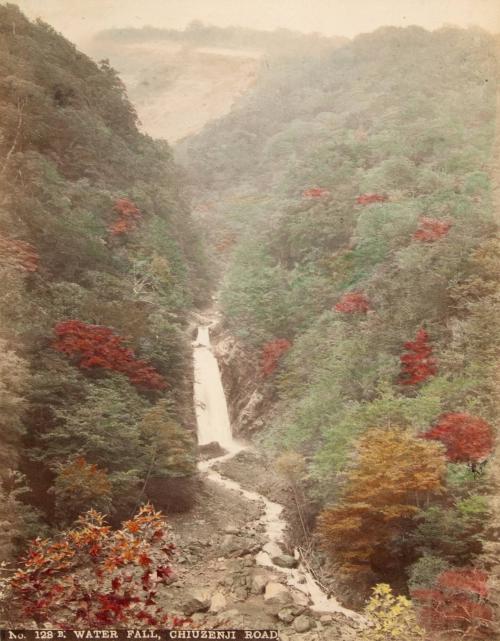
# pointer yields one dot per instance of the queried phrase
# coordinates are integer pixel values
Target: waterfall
(210, 402)
(214, 425)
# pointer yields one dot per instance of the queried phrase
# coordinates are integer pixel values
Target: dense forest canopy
(357, 229)
(277, 42)
(100, 262)
(348, 207)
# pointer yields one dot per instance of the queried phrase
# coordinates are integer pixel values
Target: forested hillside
(100, 263)
(350, 200)
(181, 79)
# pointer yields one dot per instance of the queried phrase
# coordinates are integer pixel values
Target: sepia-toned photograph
(250, 320)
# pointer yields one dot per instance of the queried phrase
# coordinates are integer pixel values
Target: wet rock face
(210, 450)
(240, 369)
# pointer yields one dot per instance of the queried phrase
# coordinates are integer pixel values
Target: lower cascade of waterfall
(214, 426)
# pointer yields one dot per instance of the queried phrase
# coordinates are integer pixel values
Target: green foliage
(375, 116)
(71, 149)
(170, 448)
(452, 533)
(423, 573)
(19, 522)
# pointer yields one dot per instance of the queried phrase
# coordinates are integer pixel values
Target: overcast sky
(78, 19)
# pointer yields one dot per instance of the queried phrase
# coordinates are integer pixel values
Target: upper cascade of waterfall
(211, 407)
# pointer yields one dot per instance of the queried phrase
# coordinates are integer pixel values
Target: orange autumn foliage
(94, 577)
(394, 473)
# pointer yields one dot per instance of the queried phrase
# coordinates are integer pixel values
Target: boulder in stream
(210, 450)
(258, 581)
(302, 623)
(276, 596)
(284, 561)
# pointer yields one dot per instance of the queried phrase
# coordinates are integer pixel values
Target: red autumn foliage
(128, 217)
(98, 346)
(431, 229)
(272, 351)
(456, 602)
(369, 199)
(18, 254)
(468, 439)
(418, 364)
(316, 192)
(94, 577)
(353, 303)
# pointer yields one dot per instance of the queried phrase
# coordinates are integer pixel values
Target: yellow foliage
(395, 472)
(391, 618)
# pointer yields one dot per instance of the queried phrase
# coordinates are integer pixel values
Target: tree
(95, 346)
(353, 303)
(170, 448)
(272, 351)
(418, 364)
(468, 439)
(94, 577)
(431, 229)
(393, 475)
(453, 533)
(457, 602)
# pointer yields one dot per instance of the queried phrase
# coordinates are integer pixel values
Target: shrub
(423, 573)
(93, 577)
(390, 618)
(272, 351)
(457, 602)
(452, 532)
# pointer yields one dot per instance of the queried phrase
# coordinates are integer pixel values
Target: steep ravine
(276, 588)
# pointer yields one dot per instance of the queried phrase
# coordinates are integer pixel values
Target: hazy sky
(77, 19)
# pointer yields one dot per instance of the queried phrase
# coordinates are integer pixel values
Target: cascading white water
(210, 402)
(214, 426)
